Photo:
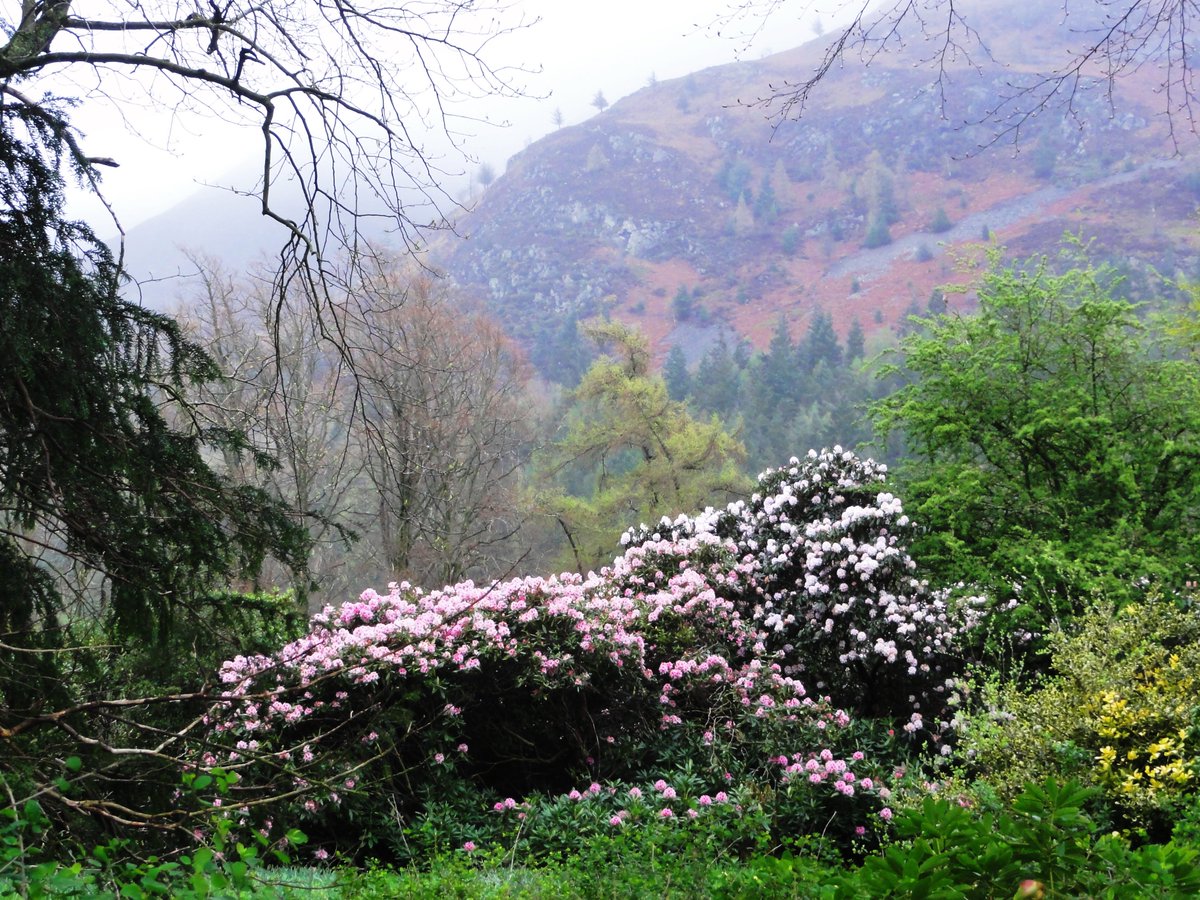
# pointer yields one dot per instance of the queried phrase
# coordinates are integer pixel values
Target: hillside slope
(684, 212)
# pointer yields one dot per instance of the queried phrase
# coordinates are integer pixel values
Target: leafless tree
(447, 425)
(291, 395)
(341, 95)
(417, 456)
(1104, 40)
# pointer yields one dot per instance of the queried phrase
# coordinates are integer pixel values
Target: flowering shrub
(819, 793)
(1119, 713)
(685, 654)
(825, 576)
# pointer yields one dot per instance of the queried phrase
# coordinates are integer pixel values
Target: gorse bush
(683, 656)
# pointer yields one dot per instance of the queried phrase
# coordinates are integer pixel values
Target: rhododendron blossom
(704, 630)
(825, 577)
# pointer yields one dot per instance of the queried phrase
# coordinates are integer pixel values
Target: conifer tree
(718, 381)
(820, 343)
(631, 454)
(676, 375)
(99, 462)
(855, 342)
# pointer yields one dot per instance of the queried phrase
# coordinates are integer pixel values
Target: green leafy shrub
(217, 866)
(1119, 711)
(945, 849)
(1052, 442)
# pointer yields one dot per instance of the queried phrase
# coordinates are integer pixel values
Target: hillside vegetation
(858, 210)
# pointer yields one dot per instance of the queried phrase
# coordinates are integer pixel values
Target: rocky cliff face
(684, 212)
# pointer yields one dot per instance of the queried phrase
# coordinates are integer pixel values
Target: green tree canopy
(1053, 447)
(631, 454)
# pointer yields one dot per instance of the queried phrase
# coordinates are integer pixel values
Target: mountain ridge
(855, 210)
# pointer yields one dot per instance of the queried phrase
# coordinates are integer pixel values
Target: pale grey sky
(576, 49)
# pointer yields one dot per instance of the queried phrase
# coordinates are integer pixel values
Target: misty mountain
(687, 211)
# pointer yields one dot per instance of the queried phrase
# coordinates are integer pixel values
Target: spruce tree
(104, 475)
(676, 375)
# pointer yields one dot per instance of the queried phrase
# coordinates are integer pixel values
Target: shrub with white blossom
(827, 577)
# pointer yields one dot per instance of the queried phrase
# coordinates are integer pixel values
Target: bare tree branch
(343, 96)
(1104, 40)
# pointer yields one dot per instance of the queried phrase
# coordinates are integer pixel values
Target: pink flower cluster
(825, 768)
(561, 632)
(706, 623)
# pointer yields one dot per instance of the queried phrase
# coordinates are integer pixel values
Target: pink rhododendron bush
(702, 663)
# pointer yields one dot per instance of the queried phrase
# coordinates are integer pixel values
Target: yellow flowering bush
(1119, 709)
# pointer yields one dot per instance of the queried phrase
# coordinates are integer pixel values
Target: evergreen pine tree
(717, 381)
(676, 374)
(821, 342)
(855, 342)
(100, 458)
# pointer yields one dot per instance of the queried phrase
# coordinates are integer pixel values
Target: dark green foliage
(909, 319)
(878, 234)
(772, 394)
(1045, 158)
(564, 354)
(790, 398)
(676, 374)
(115, 528)
(941, 222)
(820, 344)
(1046, 840)
(790, 240)
(220, 867)
(683, 304)
(734, 179)
(777, 372)
(766, 206)
(90, 463)
(718, 382)
(1052, 447)
(855, 342)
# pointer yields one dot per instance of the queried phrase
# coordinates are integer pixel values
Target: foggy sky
(575, 49)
